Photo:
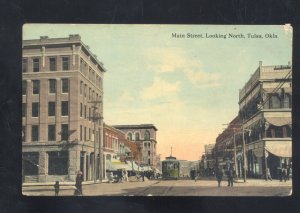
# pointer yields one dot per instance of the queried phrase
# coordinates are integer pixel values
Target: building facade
(62, 110)
(144, 135)
(265, 106)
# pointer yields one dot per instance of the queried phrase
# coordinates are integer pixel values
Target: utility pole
(95, 118)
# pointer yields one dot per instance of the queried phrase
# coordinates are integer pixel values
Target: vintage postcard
(156, 110)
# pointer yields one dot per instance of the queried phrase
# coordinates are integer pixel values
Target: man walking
(230, 175)
(219, 175)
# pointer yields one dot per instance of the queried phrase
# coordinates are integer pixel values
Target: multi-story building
(62, 110)
(209, 161)
(144, 135)
(265, 104)
(229, 147)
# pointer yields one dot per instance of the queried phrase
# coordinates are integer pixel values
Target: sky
(187, 87)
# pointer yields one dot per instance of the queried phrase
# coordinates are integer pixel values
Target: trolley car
(170, 168)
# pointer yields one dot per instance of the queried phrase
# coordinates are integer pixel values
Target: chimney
(74, 37)
(43, 37)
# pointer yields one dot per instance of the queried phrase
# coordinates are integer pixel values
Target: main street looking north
(253, 187)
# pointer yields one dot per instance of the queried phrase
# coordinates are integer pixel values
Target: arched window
(147, 135)
(287, 101)
(129, 136)
(137, 136)
(275, 102)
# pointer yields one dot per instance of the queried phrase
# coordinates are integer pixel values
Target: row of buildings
(260, 136)
(63, 129)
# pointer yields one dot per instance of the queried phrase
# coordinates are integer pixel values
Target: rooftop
(135, 126)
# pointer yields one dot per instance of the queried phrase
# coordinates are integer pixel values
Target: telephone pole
(95, 118)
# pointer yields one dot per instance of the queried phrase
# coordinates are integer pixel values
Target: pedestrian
(219, 176)
(284, 174)
(289, 167)
(230, 175)
(56, 188)
(78, 184)
(143, 176)
(268, 175)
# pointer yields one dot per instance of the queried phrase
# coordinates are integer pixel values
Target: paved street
(171, 188)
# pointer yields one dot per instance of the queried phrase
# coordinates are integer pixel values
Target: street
(171, 188)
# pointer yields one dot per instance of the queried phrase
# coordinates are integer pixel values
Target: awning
(280, 148)
(281, 121)
(115, 165)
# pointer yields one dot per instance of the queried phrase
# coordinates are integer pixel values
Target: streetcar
(170, 168)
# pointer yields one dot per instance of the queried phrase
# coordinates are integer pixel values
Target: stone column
(74, 162)
(43, 166)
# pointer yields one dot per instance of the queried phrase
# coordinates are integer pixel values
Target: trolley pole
(244, 154)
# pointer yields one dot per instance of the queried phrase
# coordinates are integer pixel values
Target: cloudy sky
(186, 87)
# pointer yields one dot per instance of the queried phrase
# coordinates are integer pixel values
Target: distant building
(62, 93)
(144, 135)
(265, 104)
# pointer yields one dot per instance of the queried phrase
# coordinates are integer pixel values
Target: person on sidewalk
(78, 184)
(268, 175)
(230, 175)
(219, 175)
(56, 188)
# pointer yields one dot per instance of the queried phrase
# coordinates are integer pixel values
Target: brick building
(144, 135)
(62, 110)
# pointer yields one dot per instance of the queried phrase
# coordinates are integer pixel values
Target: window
(81, 65)
(85, 90)
(147, 135)
(34, 133)
(64, 132)
(52, 86)
(89, 114)
(90, 134)
(23, 133)
(24, 65)
(58, 163)
(35, 109)
(30, 162)
(90, 93)
(36, 64)
(24, 87)
(51, 108)
(100, 82)
(275, 102)
(137, 136)
(81, 109)
(35, 87)
(287, 101)
(23, 109)
(64, 108)
(65, 63)
(80, 132)
(149, 162)
(52, 62)
(51, 132)
(148, 153)
(81, 87)
(84, 133)
(65, 85)
(129, 136)
(85, 111)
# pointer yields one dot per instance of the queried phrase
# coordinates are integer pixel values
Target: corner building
(62, 108)
(144, 135)
(265, 104)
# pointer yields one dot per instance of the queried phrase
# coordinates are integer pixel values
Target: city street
(171, 188)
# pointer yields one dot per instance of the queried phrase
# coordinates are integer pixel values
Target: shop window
(30, 163)
(58, 163)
